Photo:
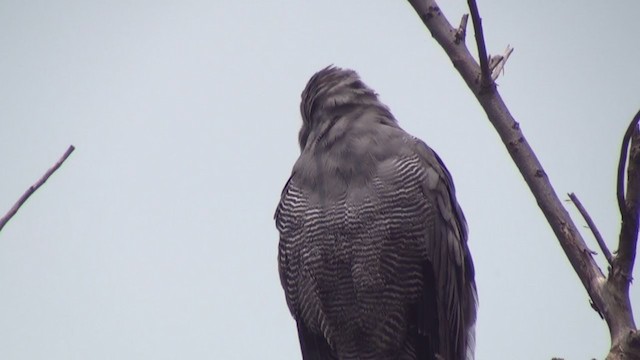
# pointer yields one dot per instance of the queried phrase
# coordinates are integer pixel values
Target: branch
(622, 162)
(608, 297)
(34, 187)
(482, 50)
(630, 206)
(592, 226)
(525, 159)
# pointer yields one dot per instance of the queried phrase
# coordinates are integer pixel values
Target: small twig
(622, 164)
(482, 49)
(497, 63)
(593, 227)
(461, 33)
(34, 187)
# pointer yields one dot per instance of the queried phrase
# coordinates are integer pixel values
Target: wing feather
(451, 260)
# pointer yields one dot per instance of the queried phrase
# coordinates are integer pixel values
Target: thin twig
(461, 33)
(482, 49)
(593, 227)
(622, 164)
(34, 187)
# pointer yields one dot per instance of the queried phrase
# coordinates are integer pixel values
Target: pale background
(156, 240)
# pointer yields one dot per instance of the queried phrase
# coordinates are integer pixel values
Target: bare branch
(523, 156)
(610, 297)
(486, 81)
(34, 187)
(593, 227)
(627, 244)
(623, 161)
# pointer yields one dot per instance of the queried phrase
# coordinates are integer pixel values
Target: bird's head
(327, 92)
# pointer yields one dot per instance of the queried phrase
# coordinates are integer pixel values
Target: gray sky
(156, 240)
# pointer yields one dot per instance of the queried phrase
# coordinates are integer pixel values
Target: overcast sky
(156, 238)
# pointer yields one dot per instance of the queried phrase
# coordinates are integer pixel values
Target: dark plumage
(373, 254)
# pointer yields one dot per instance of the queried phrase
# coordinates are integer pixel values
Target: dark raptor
(373, 254)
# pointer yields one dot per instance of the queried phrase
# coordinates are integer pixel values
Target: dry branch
(517, 146)
(623, 161)
(485, 73)
(34, 187)
(609, 296)
(630, 205)
(593, 227)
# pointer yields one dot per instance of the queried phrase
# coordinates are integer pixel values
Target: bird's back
(355, 243)
(372, 255)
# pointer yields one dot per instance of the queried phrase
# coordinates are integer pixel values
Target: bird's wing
(293, 204)
(451, 268)
(287, 226)
(445, 310)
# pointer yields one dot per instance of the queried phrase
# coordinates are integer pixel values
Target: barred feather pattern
(373, 257)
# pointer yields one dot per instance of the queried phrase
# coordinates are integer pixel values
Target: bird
(372, 254)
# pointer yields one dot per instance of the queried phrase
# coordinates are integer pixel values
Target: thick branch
(625, 340)
(593, 227)
(34, 187)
